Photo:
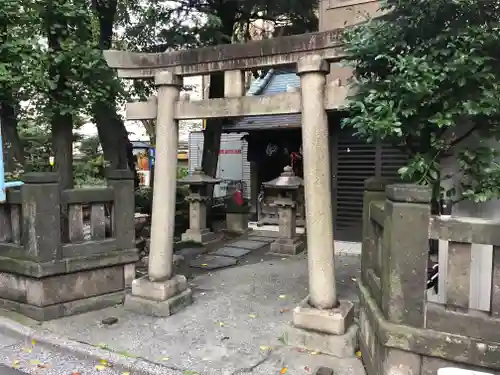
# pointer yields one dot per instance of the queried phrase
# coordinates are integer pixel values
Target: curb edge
(80, 349)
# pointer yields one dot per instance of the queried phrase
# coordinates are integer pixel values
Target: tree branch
(463, 136)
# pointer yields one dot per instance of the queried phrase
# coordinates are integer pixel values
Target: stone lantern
(198, 199)
(287, 186)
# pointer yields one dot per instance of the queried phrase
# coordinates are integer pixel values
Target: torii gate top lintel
(242, 56)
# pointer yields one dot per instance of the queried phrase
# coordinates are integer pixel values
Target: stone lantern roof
(198, 178)
(287, 180)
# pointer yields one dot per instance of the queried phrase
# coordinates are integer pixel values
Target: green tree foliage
(19, 58)
(52, 72)
(428, 81)
(89, 166)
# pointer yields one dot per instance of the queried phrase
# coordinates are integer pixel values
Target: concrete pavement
(236, 325)
(21, 355)
(5, 370)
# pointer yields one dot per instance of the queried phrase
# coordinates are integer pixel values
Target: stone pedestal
(328, 331)
(198, 231)
(159, 298)
(198, 199)
(288, 243)
(163, 293)
(237, 222)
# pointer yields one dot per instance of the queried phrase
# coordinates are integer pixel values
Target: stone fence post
(405, 253)
(41, 216)
(122, 182)
(370, 257)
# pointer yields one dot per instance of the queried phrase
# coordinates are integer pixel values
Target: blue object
(151, 158)
(4, 185)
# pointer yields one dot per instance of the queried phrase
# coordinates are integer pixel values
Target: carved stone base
(335, 321)
(326, 331)
(341, 346)
(160, 309)
(287, 246)
(198, 235)
(160, 299)
(56, 296)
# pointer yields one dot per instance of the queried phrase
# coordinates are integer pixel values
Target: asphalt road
(5, 370)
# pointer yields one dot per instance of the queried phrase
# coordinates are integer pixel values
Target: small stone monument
(287, 186)
(198, 199)
(236, 213)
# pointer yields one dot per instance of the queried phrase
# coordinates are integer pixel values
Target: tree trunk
(61, 123)
(13, 148)
(113, 135)
(62, 146)
(213, 131)
(211, 139)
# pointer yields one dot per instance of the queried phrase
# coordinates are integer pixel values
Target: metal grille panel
(355, 163)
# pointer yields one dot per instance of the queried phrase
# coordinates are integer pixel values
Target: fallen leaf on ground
(165, 359)
(75, 373)
(102, 346)
(221, 324)
(314, 353)
(252, 315)
(282, 296)
(300, 350)
(284, 310)
(263, 347)
(125, 373)
(33, 342)
(358, 354)
(15, 363)
(283, 370)
(204, 264)
(103, 362)
(34, 362)
(27, 350)
(100, 367)
(307, 368)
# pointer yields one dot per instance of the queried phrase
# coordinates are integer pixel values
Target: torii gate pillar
(162, 293)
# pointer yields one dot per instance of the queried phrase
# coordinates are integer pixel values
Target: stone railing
(66, 251)
(401, 329)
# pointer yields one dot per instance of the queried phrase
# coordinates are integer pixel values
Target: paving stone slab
(191, 252)
(230, 251)
(262, 239)
(265, 234)
(211, 262)
(250, 245)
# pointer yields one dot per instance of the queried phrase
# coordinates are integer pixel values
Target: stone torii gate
(162, 293)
